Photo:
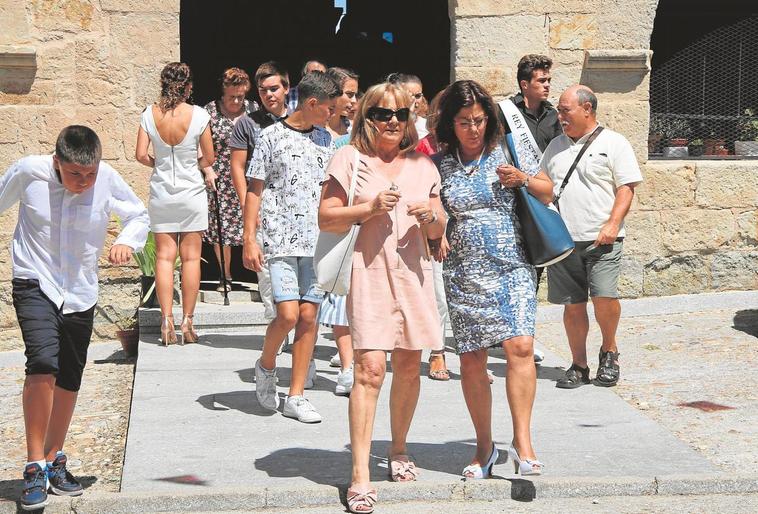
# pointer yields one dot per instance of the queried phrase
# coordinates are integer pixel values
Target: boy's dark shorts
(56, 343)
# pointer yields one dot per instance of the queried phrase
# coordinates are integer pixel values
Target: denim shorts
(293, 278)
(587, 269)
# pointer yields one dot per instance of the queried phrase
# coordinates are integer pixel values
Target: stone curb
(319, 495)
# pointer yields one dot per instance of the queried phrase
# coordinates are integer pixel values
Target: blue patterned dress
(490, 286)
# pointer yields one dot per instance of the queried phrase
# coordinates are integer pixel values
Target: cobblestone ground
(667, 361)
(97, 436)
(671, 360)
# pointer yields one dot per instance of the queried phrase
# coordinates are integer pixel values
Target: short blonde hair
(363, 136)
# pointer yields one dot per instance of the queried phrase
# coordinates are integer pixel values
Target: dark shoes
(34, 494)
(608, 373)
(575, 377)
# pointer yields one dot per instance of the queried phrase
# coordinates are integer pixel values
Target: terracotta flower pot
(129, 341)
(677, 141)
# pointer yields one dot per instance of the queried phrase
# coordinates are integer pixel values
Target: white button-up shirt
(59, 234)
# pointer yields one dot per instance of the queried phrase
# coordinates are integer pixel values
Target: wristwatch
(526, 180)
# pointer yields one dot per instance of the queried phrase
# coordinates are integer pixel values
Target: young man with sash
(531, 119)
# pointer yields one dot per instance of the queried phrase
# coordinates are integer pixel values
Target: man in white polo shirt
(593, 202)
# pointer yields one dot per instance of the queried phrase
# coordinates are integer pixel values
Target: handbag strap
(586, 145)
(353, 178)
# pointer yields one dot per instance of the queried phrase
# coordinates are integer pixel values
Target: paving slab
(196, 425)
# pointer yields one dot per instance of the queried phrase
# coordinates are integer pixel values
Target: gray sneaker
(265, 387)
(299, 408)
(539, 355)
(344, 383)
(311, 376)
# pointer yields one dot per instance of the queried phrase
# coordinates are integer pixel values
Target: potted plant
(676, 132)
(696, 148)
(127, 328)
(747, 143)
(145, 260)
(655, 134)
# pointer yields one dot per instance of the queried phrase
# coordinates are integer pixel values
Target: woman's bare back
(173, 125)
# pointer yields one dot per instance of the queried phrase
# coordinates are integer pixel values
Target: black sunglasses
(382, 114)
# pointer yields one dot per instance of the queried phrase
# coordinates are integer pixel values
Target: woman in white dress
(178, 205)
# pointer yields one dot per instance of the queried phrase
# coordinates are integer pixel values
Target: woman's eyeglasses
(384, 115)
(471, 123)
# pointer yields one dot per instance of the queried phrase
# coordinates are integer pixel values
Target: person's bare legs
(478, 396)
(520, 388)
(577, 325)
(607, 314)
(190, 248)
(37, 399)
(306, 330)
(165, 257)
(344, 345)
(406, 385)
(227, 271)
(369, 370)
(287, 315)
(64, 403)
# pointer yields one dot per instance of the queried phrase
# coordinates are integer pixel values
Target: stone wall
(693, 225)
(93, 62)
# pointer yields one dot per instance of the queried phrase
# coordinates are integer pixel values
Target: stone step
(208, 316)
(234, 296)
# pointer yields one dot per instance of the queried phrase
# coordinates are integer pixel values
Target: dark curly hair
(175, 77)
(460, 94)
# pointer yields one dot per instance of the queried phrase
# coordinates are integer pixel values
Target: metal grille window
(703, 85)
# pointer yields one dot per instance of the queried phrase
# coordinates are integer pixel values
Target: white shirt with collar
(588, 199)
(59, 234)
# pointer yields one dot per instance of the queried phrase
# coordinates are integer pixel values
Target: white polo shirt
(588, 199)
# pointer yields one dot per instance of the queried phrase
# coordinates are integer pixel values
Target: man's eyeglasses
(468, 124)
(384, 115)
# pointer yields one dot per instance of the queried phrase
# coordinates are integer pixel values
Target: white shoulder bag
(333, 258)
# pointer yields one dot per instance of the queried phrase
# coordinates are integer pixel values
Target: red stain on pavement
(705, 406)
(184, 479)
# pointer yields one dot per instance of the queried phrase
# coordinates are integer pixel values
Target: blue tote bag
(545, 236)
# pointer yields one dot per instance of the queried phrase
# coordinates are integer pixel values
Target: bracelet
(434, 217)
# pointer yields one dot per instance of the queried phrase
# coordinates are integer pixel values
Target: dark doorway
(375, 38)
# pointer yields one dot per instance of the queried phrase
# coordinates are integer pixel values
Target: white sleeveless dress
(178, 199)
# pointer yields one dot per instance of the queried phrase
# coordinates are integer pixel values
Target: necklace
(471, 168)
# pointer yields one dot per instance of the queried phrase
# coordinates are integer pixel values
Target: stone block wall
(92, 62)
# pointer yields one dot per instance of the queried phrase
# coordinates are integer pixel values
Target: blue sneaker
(34, 495)
(61, 481)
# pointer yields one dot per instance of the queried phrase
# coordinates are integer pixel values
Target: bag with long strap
(333, 257)
(545, 236)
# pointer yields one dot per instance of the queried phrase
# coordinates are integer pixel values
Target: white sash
(529, 154)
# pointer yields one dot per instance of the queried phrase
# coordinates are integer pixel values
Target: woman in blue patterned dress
(488, 281)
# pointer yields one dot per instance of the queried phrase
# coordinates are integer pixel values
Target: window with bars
(704, 81)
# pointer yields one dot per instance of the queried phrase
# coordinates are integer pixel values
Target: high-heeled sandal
(477, 471)
(361, 502)
(525, 467)
(168, 332)
(188, 331)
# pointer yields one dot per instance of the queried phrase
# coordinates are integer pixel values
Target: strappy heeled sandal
(402, 468)
(476, 471)
(168, 332)
(188, 331)
(361, 502)
(525, 467)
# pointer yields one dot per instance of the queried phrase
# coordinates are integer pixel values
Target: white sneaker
(344, 383)
(265, 387)
(539, 355)
(335, 361)
(310, 378)
(299, 408)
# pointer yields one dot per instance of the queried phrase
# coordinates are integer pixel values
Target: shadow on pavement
(746, 321)
(243, 401)
(244, 342)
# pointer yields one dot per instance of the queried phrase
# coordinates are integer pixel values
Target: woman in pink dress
(391, 302)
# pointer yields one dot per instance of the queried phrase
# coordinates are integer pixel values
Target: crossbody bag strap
(586, 145)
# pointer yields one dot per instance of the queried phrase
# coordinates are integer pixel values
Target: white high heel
(476, 472)
(525, 467)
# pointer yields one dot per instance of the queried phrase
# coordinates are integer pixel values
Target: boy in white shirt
(65, 202)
